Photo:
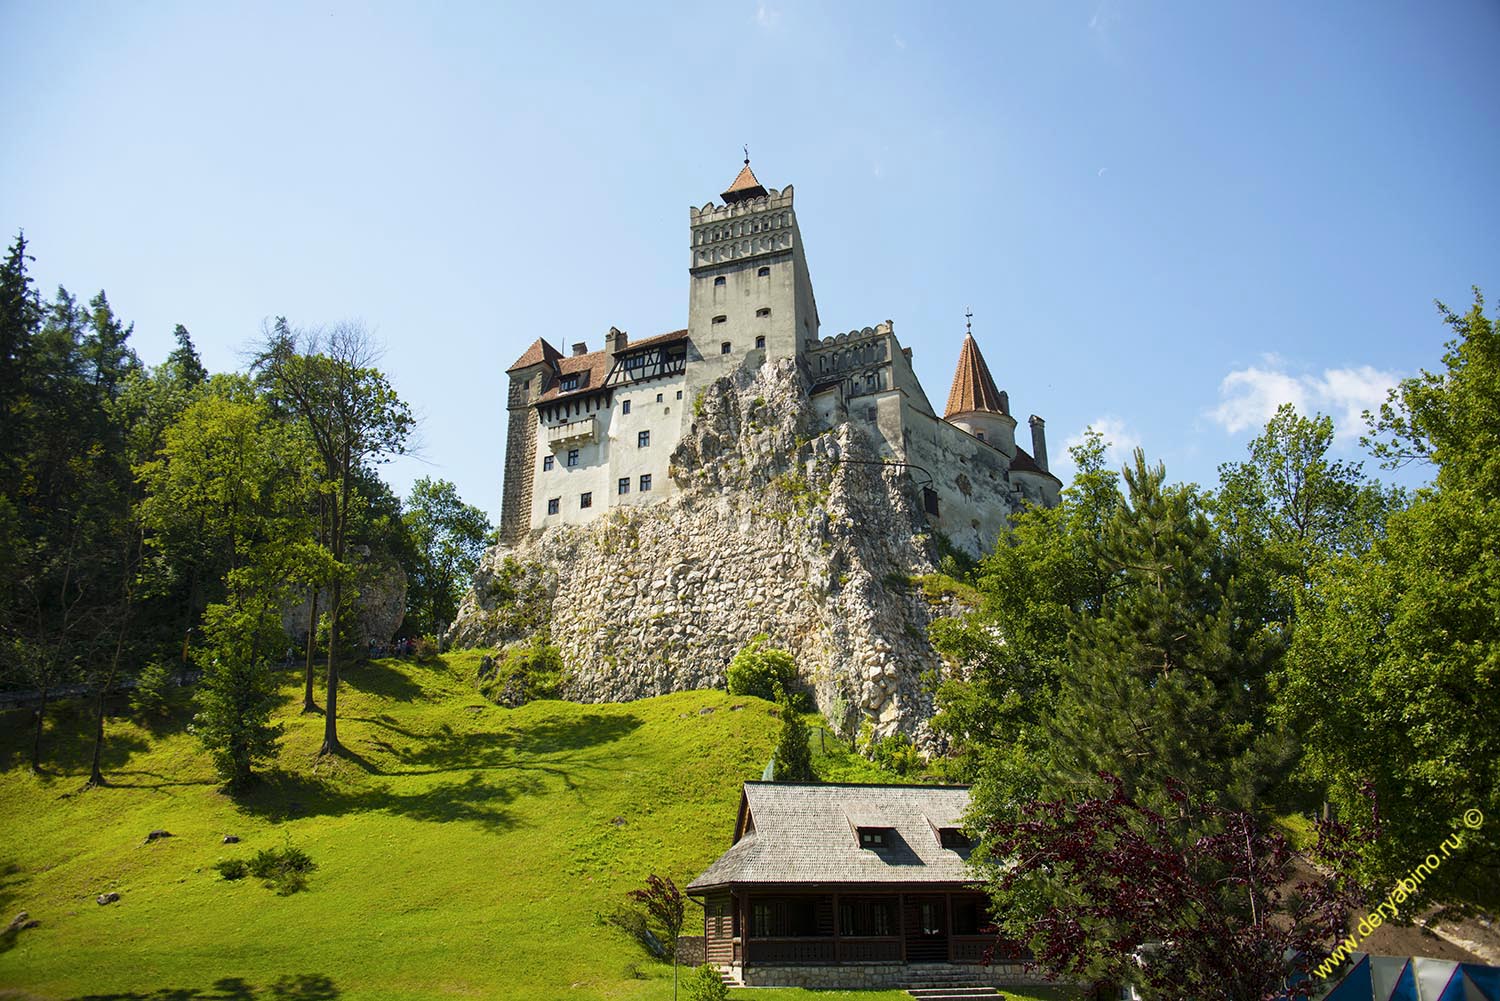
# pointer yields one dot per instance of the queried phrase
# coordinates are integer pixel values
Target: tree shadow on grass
(67, 741)
(502, 767)
(380, 677)
(295, 987)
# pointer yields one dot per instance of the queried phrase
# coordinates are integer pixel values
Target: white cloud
(1249, 396)
(900, 42)
(1119, 441)
(766, 16)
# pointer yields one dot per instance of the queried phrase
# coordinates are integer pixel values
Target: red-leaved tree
(1194, 903)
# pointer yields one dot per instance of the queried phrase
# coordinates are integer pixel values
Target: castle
(592, 431)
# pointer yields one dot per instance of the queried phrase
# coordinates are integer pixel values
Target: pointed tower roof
(745, 186)
(973, 386)
(539, 352)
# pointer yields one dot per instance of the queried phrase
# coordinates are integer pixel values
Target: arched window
(764, 272)
(763, 311)
(721, 318)
(719, 281)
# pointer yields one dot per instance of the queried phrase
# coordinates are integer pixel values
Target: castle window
(572, 456)
(980, 436)
(930, 501)
(625, 407)
(623, 487)
(586, 499)
(763, 311)
(643, 439)
(763, 273)
(547, 463)
(760, 343)
(645, 482)
(571, 382)
(721, 318)
(658, 397)
(554, 505)
(719, 281)
(725, 348)
(679, 394)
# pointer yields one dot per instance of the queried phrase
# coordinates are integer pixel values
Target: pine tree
(793, 750)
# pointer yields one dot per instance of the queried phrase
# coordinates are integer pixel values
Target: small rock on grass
(22, 921)
(157, 835)
(231, 839)
(108, 898)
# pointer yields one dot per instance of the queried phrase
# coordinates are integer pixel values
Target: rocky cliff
(780, 527)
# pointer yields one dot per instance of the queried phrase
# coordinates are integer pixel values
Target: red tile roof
(973, 386)
(592, 368)
(540, 351)
(744, 186)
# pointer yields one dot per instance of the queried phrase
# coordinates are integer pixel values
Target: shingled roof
(794, 833)
(745, 186)
(540, 351)
(973, 386)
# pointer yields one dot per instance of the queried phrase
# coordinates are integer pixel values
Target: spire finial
(747, 155)
(969, 321)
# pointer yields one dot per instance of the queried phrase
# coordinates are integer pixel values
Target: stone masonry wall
(781, 527)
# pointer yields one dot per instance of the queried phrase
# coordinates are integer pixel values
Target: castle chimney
(581, 348)
(1039, 441)
(614, 341)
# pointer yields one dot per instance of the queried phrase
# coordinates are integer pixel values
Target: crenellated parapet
(743, 229)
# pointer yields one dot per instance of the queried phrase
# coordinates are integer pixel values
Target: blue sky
(1166, 217)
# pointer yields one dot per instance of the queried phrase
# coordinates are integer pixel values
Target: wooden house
(838, 885)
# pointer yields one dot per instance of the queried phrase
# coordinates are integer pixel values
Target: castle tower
(976, 405)
(526, 384)
(750, 297)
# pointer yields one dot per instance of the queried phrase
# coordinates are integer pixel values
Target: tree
(353, 418)
(1192, 901)
(449, 537)
(761, 670)
(230, 490)
(665, 903)
(793, 751)
(1391, 680)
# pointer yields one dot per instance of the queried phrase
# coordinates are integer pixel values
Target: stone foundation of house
(882, 976)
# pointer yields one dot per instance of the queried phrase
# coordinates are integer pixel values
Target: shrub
(527, 671)
(426, 649)
(233, 868)
(283, 869)
(706, 985)
(154, 689)
(760, 670)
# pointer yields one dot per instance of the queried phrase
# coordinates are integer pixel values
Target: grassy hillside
(464, 850)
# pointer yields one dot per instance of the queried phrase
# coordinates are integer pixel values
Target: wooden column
(901, 922)
(836, 957)
(948, 924)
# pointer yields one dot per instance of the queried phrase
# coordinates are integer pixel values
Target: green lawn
(463, 850)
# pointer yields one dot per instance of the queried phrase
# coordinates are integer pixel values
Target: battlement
(882, 329)
(713, 212)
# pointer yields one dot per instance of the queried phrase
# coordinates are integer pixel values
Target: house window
(625, 407)
(931, 919)
(971, 916)
(586, 499)
(867, 916)
(547, 463)
(719, 281)
(571, 382)
(554, 505)
(645, 482)
(725, 348)
(763, 311)
(572, 456)
(623, 487)
(787, 917)
(721, 318)
(658, 397)
(871, 837)
(760, 343)
(763, 273)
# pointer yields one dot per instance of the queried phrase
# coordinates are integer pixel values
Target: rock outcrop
(779, 527)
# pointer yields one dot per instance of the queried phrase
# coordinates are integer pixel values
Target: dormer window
(952, 837)
(872, 837)
(569, 382)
